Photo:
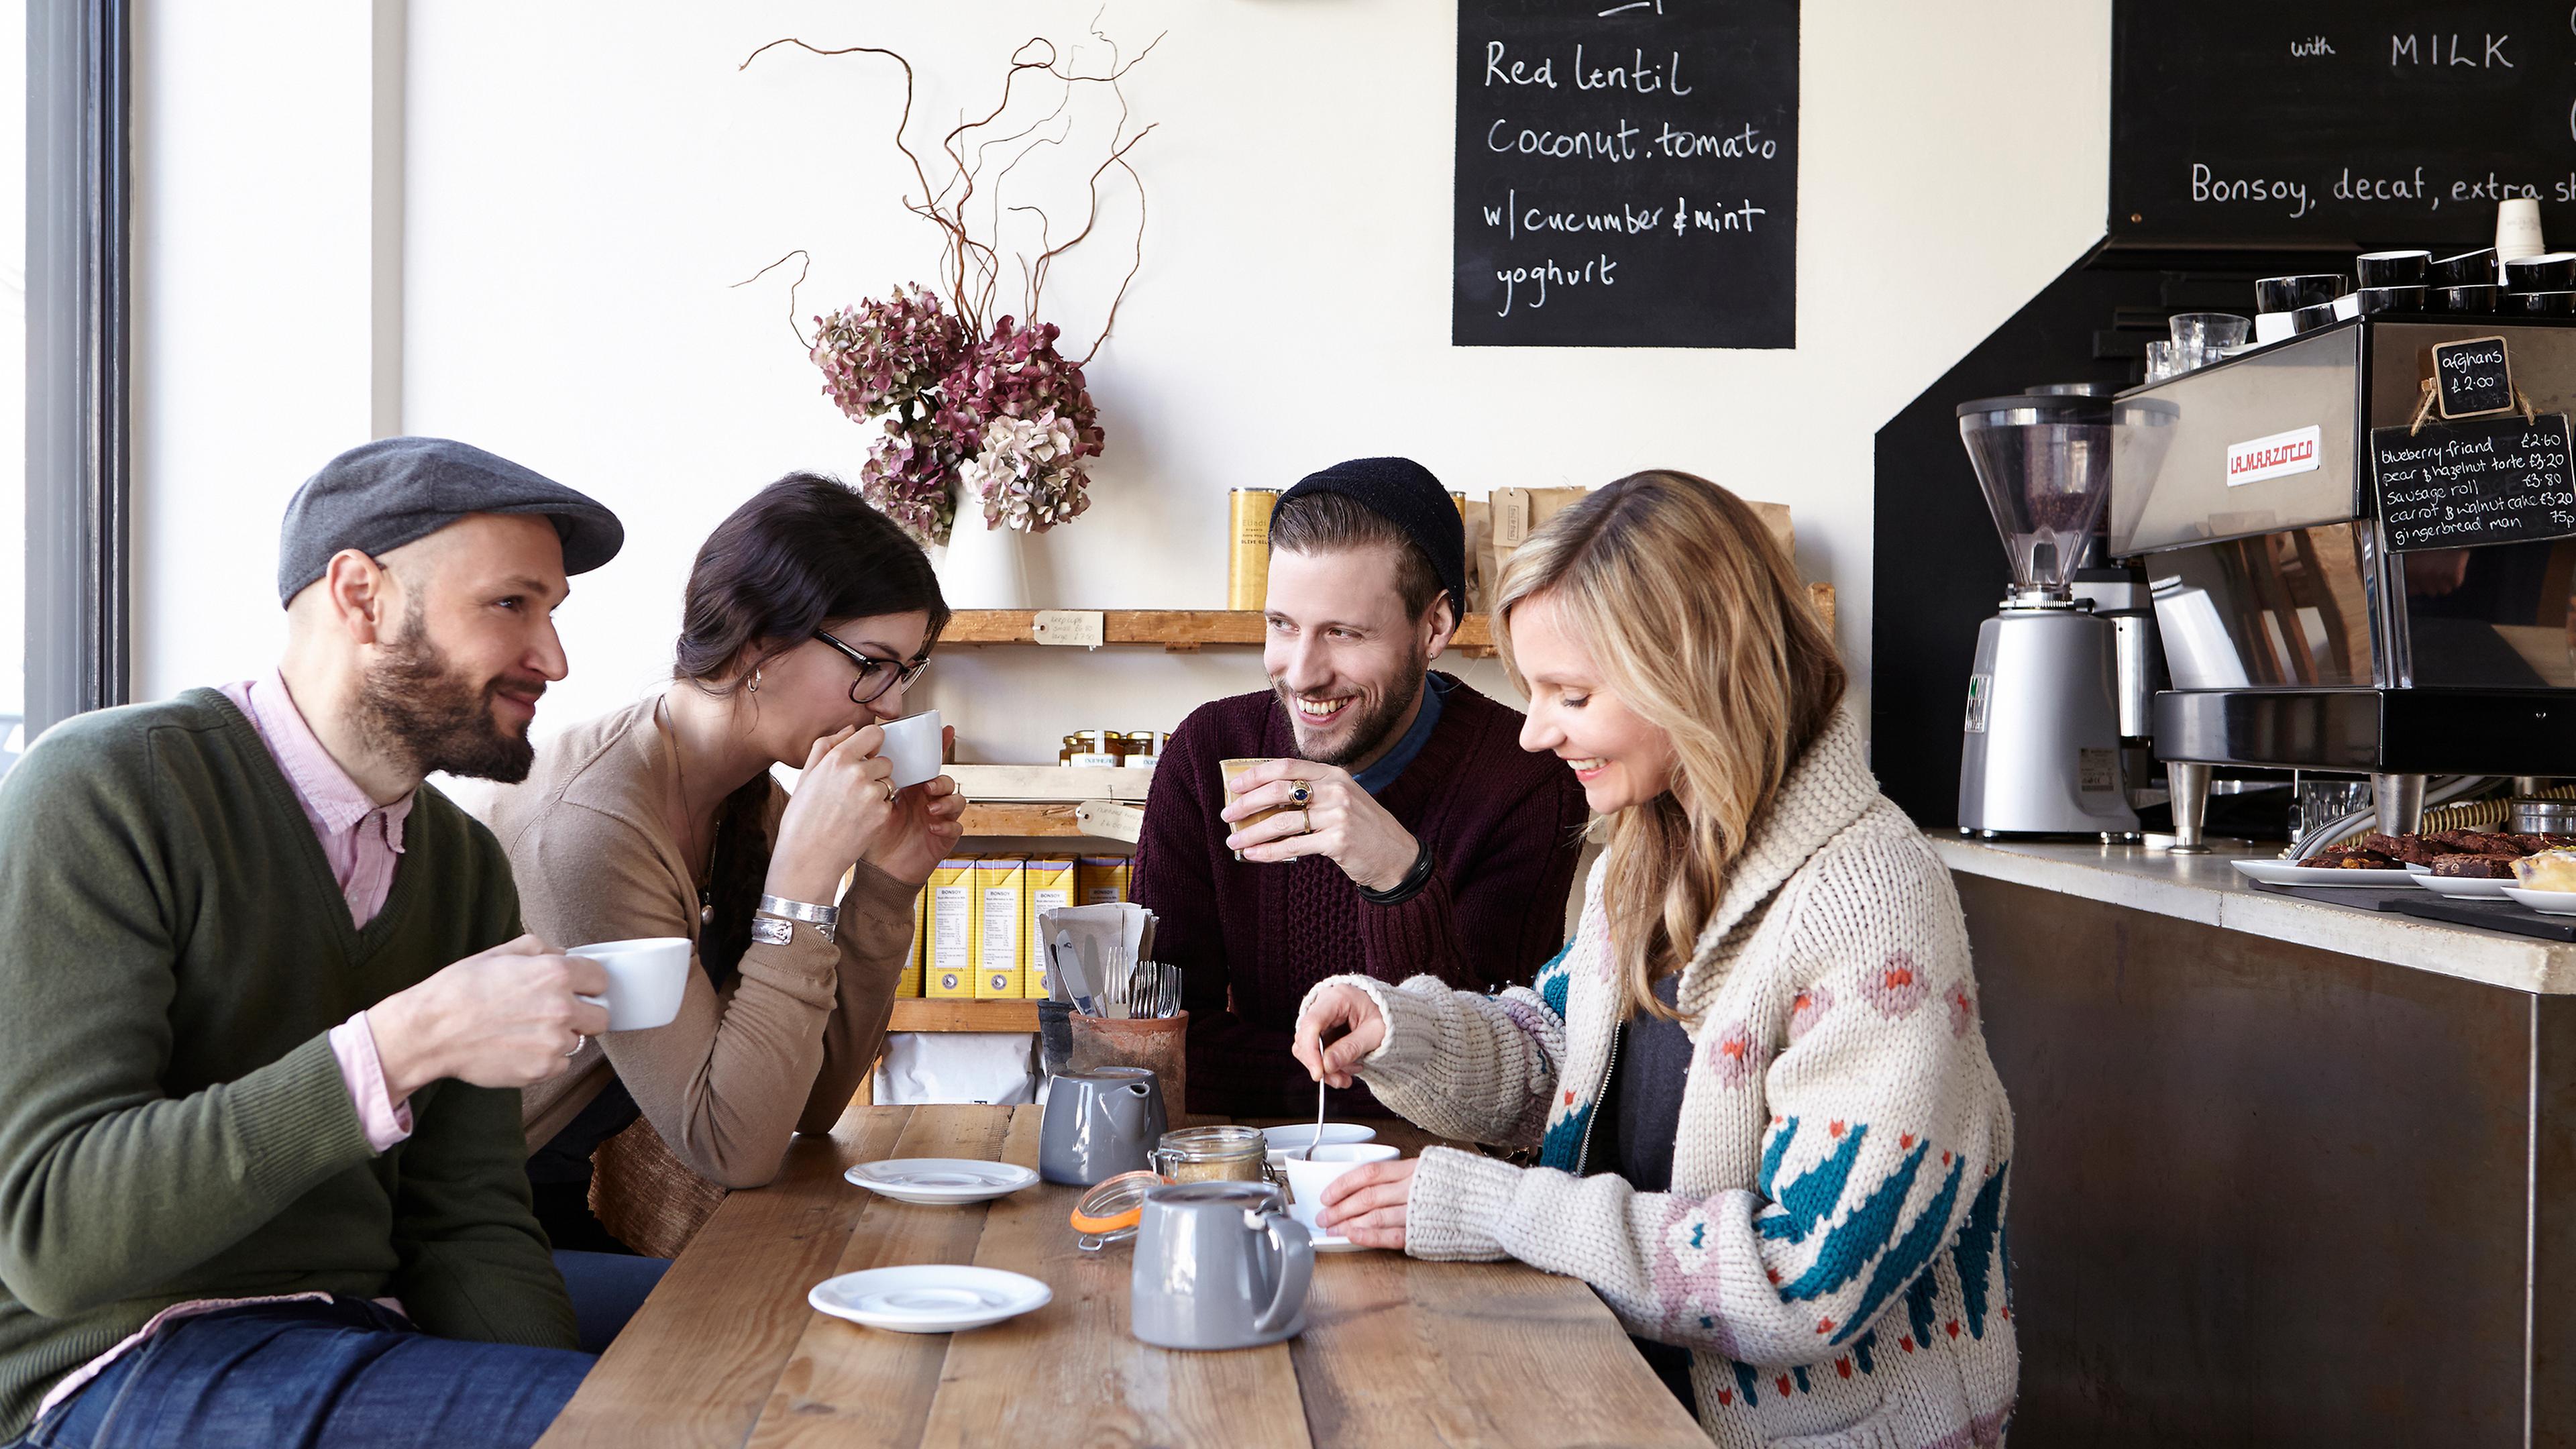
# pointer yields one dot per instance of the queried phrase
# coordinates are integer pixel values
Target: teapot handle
(1296, 1251)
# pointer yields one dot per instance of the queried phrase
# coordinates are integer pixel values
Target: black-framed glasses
(876, 676)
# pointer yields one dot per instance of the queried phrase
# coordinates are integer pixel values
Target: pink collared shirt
(364, 843)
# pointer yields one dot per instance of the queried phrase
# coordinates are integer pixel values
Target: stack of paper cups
(2518, 229)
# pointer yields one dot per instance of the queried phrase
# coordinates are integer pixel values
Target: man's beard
(1367, 733)
(413, 707)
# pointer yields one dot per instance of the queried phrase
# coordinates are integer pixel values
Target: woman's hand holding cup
(928, 820)
(839, 811)
(1340, 1026)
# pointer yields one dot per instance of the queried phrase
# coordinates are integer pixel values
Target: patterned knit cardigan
(1832, 1250)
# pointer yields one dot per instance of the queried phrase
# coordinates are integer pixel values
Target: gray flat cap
(381, 495)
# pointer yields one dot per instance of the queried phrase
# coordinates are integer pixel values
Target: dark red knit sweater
(1504, 825)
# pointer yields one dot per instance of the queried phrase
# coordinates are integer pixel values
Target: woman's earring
(755, 681)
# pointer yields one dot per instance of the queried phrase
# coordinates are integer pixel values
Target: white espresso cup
(912, 746)
(1307, 1178)
(646, 979)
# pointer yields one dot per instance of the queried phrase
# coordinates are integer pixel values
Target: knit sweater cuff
(297, 1123)
(1416, 935)
(1456, 1205)
(1409, 1050)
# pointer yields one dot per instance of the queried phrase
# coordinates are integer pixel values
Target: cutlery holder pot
(1154, 1043)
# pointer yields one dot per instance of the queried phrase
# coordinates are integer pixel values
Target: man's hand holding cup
(1322, 811)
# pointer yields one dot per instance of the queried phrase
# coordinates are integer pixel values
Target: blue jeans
(314, 1376)
(606, 1290)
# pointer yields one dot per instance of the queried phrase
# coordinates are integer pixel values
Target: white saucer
(929, 1297)
(1336, 1243)
(2549, 903)
(2471, 887)
(1294, 1136)
(2282, 872)
(940, 1179)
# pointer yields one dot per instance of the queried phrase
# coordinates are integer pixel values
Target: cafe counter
(2285, 1171)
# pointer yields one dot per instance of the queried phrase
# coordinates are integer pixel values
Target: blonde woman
(1763, 1042)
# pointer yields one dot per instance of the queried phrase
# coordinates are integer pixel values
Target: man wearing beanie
(1414, 834)
(266, 1005)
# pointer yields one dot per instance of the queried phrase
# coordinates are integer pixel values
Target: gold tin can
(1247, 565)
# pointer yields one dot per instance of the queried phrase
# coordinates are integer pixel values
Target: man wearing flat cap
(265, 1005)
(1413, 833)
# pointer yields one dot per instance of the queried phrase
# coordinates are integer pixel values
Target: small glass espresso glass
(1214, 1154)
(1227, 770)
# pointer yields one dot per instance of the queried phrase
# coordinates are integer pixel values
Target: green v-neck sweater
(174, 952)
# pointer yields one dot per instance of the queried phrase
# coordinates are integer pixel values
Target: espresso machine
(2295, 635)
(2043, 737)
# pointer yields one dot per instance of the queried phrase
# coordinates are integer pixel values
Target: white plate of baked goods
(2290, 873)
(929, 1297)
(2548, 903)
(2466, 887)
(940, 1180)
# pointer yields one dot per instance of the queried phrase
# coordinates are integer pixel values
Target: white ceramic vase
(984, 568)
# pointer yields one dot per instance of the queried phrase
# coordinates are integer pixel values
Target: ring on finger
(578, 1042)
(1299, 793)
(892, 789)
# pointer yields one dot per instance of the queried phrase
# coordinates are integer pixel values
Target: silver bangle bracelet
(825, 918)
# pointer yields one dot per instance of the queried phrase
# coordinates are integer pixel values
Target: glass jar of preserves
(1214, 1154)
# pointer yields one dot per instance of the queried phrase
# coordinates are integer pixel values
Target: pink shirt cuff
(387, 1121)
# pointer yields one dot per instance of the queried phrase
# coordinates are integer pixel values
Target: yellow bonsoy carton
(948, 963)
(1050, 889)
(907, 983)
(1105, 879)
(1002, 927)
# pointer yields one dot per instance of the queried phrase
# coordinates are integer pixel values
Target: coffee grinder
(2042, 750)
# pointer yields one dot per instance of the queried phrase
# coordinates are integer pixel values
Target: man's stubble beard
(1373, 730)
(413, 706)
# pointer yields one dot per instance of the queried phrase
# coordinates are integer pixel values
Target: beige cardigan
(737, 1073)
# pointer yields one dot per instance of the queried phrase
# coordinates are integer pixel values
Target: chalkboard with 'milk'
(1627, 174)
(2452, 485)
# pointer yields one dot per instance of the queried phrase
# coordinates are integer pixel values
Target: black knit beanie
(1404, 493)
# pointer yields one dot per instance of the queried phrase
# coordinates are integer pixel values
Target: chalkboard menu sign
(1627, 174)
(2337, 122)
(2473, 376)
(2450, 485)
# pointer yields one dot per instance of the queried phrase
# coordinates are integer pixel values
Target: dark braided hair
(801, 552)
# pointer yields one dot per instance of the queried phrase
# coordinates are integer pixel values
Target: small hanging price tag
(1072, 628)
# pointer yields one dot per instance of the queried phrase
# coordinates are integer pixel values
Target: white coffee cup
(1307, 1179)
(912, 746)
(646, 978)
(2518, 229)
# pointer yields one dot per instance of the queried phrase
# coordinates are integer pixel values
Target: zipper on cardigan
(1600, 1099)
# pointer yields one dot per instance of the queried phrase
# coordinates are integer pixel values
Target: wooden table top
(1396, 1351)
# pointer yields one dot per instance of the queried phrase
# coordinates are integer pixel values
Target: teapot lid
(1227, 1192)
(1108, 1075)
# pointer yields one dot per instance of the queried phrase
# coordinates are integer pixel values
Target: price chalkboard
(2472, 377)
(1627, 174)
(2452, 485)
(2336, 122)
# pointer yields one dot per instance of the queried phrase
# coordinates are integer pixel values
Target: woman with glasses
(808, 617)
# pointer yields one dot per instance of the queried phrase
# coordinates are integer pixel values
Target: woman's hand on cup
(838, 812)
(1339, 821)
(1366, 1204)
(928, 820)
(1340, 1026)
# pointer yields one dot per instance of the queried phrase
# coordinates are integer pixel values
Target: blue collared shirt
(1377, 777)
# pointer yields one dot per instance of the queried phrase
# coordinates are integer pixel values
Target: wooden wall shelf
(917, 1013)
(1185, 631)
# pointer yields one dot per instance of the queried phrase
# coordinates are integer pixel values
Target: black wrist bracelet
(1407, 888)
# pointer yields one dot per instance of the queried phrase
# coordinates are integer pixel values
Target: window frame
(79, 383)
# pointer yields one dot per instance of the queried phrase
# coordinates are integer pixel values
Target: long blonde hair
(1698, 622)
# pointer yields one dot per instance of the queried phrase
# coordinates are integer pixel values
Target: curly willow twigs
(970, 266)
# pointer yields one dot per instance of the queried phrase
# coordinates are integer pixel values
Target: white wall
(582, 182)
